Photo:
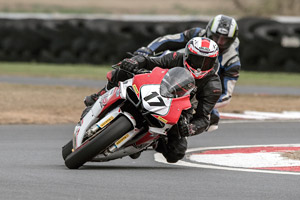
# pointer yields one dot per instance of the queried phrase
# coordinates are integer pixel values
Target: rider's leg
(174, 147)
(113, 78)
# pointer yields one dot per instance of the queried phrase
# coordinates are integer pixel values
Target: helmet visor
(201, 62)
(223, 41)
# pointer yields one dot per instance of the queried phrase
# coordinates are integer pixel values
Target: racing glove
(189, 130)
(184, 124)
(130, 65)
(144, 51)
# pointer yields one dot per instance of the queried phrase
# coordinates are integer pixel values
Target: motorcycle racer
(200, 58)
(224, 31)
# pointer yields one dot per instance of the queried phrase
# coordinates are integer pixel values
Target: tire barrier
(266, 44)
(95, 41)
(269, 45)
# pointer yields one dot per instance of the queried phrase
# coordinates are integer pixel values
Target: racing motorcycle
(128, 119)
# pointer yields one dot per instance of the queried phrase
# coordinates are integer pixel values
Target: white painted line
(272, 115)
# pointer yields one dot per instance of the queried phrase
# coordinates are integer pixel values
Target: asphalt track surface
(32, 168)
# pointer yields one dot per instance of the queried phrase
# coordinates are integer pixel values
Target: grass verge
(98, 72)
(83, 71)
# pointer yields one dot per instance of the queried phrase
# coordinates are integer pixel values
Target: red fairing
(178, 104)
(109, 75)
(151, 78)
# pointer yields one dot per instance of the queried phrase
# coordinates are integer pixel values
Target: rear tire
(98, 144)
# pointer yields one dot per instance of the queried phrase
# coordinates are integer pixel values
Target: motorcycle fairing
(108, 98)
(168, 114)
(155, 77)
(178, 104)
(167, 110)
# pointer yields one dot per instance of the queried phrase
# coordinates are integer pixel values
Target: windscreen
(177, 82)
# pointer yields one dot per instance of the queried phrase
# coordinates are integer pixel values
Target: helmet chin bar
(196, 73)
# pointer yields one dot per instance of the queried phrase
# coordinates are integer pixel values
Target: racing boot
(172, 149)
(214, 120)
(90, 100)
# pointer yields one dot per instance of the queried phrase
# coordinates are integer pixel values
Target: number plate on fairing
(153, 101)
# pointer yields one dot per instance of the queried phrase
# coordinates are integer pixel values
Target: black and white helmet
(223, 30)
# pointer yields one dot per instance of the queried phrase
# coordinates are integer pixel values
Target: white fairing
(153, 101)
(123, 86)
(89, 119)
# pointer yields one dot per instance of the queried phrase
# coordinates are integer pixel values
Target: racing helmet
(223, 30)
(200, 56)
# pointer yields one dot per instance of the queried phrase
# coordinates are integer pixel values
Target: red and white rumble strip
(263, 157)
(257, 158)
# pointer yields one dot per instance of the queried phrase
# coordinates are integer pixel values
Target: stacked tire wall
(95, 41)
(266, 44)
(270, 45)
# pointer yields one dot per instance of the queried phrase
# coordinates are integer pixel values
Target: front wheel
(98, 144)
(67, 149)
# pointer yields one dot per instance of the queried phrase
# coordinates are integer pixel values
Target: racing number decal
(160, 101)
(152, 100)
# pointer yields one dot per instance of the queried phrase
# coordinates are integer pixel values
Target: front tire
(98, 144)
(67, 149)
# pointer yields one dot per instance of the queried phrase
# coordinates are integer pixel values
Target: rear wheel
(98, 144)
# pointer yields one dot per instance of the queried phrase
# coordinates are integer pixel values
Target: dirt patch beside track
(268, 103)
(28, 104)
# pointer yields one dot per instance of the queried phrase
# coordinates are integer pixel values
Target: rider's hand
(185, 128)
(130, 65)
(144, 51)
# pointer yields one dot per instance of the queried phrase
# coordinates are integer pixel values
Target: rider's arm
(229, 80)
(207, 97)
(175, 41)
(167, 61)
(229, 75)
